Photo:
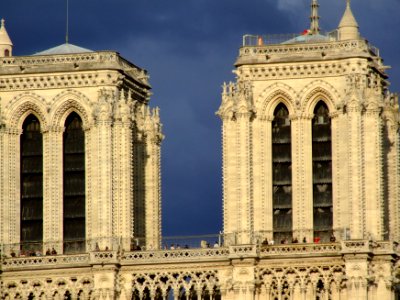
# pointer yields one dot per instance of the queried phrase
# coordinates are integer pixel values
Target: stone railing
(104, 257)
(114, 254)
(285, 49)
(44, 261)
(161, 256)
(356, 246)
(243, 251)
(90, 57)
(298, 249)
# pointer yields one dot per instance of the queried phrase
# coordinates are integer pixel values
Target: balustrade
(16, 257)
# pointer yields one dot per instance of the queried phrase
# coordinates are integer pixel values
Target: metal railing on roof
(291, 38)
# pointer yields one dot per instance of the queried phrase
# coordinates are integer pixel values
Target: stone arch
(23, 105)
(67, 102)
(316, 91)
(271, 101)
(291, 270)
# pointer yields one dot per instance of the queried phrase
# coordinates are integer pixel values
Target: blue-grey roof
(308, 38)
(64, 49)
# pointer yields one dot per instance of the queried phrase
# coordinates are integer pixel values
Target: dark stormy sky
(189, 47)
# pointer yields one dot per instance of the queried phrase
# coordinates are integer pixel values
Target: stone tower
(310, 139)
(310, 174)
(81, 149)
(5, 41)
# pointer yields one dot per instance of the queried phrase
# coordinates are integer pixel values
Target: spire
(314, 29)
(5, 41)
(348, 27)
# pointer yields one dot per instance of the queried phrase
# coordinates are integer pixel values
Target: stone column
(341, 208)
(391, 168)
(384, 280)
(355, 157)
(102, 172)
(243, 278)
(53, 188)
(302, 198)
(122, 179)
(105, 278)
(357, 274)
(231, 202)
(244, 188)
(237, 113)
(152, 180)
(373, 172)
(126, 286)
(262, 174)
(10, 195)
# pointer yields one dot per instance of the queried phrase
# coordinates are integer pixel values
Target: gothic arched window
(74, 185)
(322, 172)
(31, 168)
(282, 174)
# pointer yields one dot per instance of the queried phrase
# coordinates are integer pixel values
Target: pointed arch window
(282, 174)
(31, 188)
(74, 210)
(322, 173)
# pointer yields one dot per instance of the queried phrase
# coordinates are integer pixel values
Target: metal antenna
(67, 25)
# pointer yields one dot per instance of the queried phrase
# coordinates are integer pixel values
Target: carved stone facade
(310, 177)
(122, 138)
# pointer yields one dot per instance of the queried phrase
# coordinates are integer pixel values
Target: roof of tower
(4, 38)
(64, 49)
(348, 19)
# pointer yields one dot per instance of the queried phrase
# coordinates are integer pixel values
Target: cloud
(292, 6)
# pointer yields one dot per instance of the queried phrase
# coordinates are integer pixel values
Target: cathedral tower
(310, 142)
(82, 152)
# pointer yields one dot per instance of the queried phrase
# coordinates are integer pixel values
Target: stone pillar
(243, 278)
(383, 271)
(373, 172)
(244, 175)
(356, 169)
(230, 200)
(391, 168)
(357, 274)
(394, 183)
(102, 164)
(122, 171)
(237, 113)
(105, 278)
(340, 200)
(152, 180)
(302, 198)
(10, 195)
(89, 182)
(53, 188)
(126, 286)
(262, 174)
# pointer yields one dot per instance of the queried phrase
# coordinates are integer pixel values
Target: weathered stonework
(109, 100)
(122, 137)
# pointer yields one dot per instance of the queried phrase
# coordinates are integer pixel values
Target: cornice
(304, 52)
(102, 60)
(65, 80)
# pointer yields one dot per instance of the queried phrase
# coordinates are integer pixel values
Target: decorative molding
(272, 95)
(319, 90)
(22, 105)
